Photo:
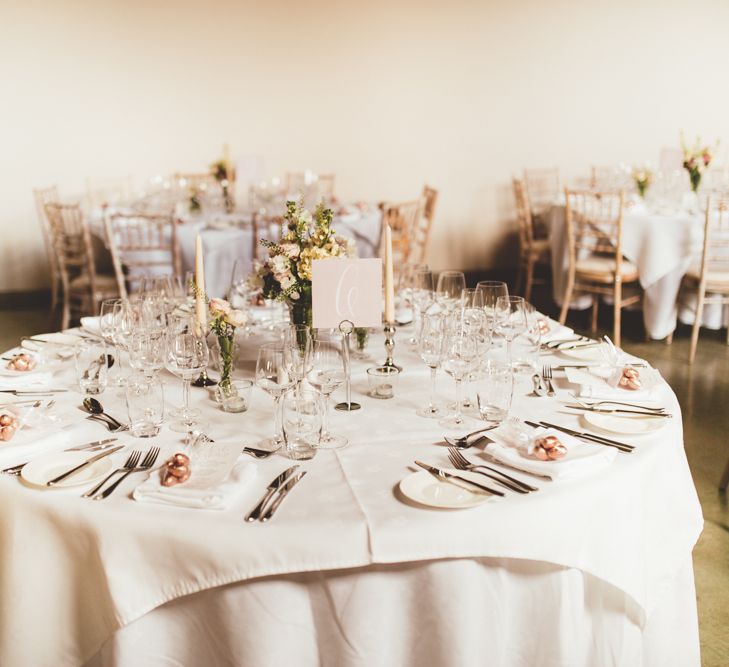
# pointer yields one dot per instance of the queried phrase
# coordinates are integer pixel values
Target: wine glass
(326, 374)
(430, 348)
(405, 293)
(471, 297)
(273, 375)
(106, 328)
(147, 351)
(421, 294)
(526, 345)
(187, 356)
(461, 353)
(511, 320)
(449, 288)
(490, 291)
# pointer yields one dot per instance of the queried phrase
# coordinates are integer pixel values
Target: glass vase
(300, 309)
(225, 352)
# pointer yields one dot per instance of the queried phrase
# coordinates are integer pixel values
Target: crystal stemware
(187, 356)
(449, 288)
(326, 374)
(430, 348)
(511, 320)
(273, 375)
(459, 359)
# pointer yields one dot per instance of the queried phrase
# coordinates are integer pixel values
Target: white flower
(237, 318)
(291, 250)
(279, 264)
(285, 280)
(219, 307)
(305, 217)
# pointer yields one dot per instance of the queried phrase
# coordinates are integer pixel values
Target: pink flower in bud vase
(219, 307)
(237, 318)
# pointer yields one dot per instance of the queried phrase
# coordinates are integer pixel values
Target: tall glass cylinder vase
(300, 310)
(225, 352)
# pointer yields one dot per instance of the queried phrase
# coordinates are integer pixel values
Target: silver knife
(89, 445)
(576, 346)
(255, 513)
(448, 475)
(607, 411)
(30, 392)
(87, 462)
(290, 484)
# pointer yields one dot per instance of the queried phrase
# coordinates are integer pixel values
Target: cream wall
(386, 94)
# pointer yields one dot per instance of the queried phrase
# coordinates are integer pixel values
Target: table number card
(346, 289)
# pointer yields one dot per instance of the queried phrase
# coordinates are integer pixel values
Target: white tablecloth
(662, 247)
(607, 555)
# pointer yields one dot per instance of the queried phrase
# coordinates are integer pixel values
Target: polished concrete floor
(703, 391)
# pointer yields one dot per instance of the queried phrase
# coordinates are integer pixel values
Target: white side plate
(45, 468)
(426, 489)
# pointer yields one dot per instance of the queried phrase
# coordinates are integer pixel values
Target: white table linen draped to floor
(594, 570)
(661, 245)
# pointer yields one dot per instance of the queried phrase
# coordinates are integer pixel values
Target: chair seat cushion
(601, 268)
(716, 279)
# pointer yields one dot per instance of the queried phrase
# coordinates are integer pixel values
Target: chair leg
(724, 478)
(595, 308)
(697, 323)
(617, 310)
(66, 315)
(529, 280)
(566, 300)
(669, 339)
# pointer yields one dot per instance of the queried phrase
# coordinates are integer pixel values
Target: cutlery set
(275, 493)
(131, 465)
(97, 446)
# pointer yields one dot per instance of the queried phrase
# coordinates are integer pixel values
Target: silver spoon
(93, 406)
(258, 453)
(462, 441)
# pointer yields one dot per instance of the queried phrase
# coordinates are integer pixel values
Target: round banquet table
(594, 570)
(662, 245)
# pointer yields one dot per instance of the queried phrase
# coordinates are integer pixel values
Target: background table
(661, 245)
(595, 570)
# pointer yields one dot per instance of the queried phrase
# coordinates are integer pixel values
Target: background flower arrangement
(696, 161)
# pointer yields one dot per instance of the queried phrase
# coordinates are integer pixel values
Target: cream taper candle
(200, 309)
(389, 281)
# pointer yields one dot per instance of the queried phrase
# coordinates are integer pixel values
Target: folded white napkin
(582, 458)
(593, 383)
(556, 331)
(92, 325)
(218, 497)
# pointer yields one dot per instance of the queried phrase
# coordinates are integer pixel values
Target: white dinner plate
(45, 468)
(426, 489)
(624, 424)
(591, 353)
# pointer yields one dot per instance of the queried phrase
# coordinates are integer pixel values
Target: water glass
(145, 405)
(236, 397)
(382, 381)
(301, 423)
(494, 390)
(92, 366)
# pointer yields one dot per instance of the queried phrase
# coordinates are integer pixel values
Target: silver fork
(462, 463)
(130, 463)
(146, 464)
(595, 404)
(547, 375)
(110, 425)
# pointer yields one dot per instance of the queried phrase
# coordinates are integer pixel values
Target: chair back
(142, 244)
(404, 219)
(594, 224)
(523, 215)
(542, 187)
(108, 192)
(715, 252)
(268, 228)
(325, 186)
(71, 241)
(42, 197)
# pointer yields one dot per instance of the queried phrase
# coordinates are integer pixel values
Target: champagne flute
(422, 294)
(490, 291)
(449, 288)
(106, 328)
(187, 356)
(326, 374)
(274, 377)
(430, 348)
(297, 340)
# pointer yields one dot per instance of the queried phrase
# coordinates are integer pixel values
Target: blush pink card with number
(346, 289)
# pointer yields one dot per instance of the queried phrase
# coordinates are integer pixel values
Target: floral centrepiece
(223, 324)
(696, 161)
(222, 172)
(286, 274)
(643, 177)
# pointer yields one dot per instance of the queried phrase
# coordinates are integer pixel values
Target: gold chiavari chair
(596, 263)
(83, 288)
(42, 197)
(532, 250)
(710, 280)
(325, 186)
(403, 219)
(142, 244)
(542, 188)
(423, 226)
(266, 227)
